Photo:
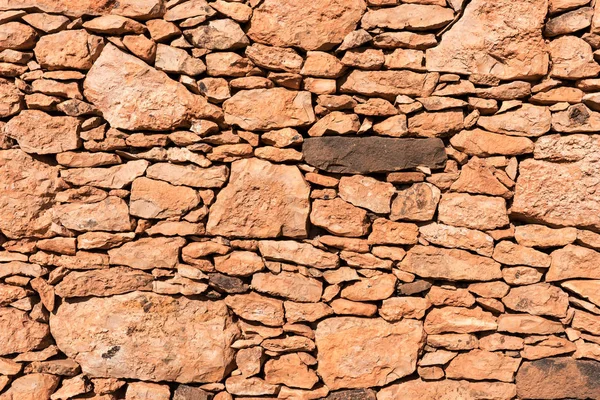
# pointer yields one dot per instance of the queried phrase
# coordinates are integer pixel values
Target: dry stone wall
(324, 199)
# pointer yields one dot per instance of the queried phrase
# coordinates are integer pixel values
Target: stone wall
(291, 199)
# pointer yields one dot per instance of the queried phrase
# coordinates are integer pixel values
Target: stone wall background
(331, 199)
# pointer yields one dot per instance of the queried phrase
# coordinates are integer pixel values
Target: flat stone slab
(373, 154)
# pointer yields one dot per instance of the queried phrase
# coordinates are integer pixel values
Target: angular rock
(474, 212)
(557, 378)
(41, 133)
(262, 200)
(162, 103)
(219, 34)
(157, 199)
(239, 263)
(103, 282)
(367, 192)
(319, 25)
(174, 60)
(389, 84)
(459, 320)
(71, 49)
(27, 191)
(11, 98)
(388, 232)
(147, 391)
(289, 370)
(509, 253)
(412, 17)
(339, 217)
(348, 360)
(481, 365)
(417, 203)
(449, 264)
(32, 387)
(254, 307)
(462, 238)
(148, 253)
(538, 299)
(289, 285)
(195, 336)
(435, 390)
(266, 109)
(19, 333)
(397, 308)
(306, 312)
(572, 58)
(336, 123)
(528, 120)
(17, 36)
(483, 144)
(540, 194)
(355, 155)
(274, 58)
(143, 9)
(110, 214)
(378, 287)
(481, 42)
(189, 9)
(542, 236)
(588, 289)
(528, 324)
(189, 175)
(116, 177)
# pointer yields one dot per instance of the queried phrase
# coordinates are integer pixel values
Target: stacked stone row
(278, 199)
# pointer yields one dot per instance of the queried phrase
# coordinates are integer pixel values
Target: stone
(198, 350)
(355, 155)
(141, 47)
(569, 22)
(274, 58)
(189, 175)
(462, 238)
(588, 289)
(156, 199)
(254, 386)
(346, 360)
(449, 264)
(575, 119)
(103, 282)
(379, 287)
(85, 160)
(322, 65)
(306, 312)
(218, 34)
(27, 191)
(20, 333)
(528, 324)
(538, 299)
(110, 214)
(336, 123)
(147, 391)
(556, 378)
(17, 36)
(174, 60)
(239, 263)
(300, 253)
(450, 297)
(459, 320)
(367, 192)
(74, 49)
(389, 84)
(481, 365)
(550, 347)
(162, 103)
(255, 307)
(32, 387)
(514, 51)
(339, 217)
(509, 253)
(289, 370)
(586, 322)
(572, 58)
(320, 25)
(148, 253)
(142, 9)
(417, 203)
(478, 142)
(478, 177)
(540, 194)
(352, 394)
(453, 341)
(261, 200)
(354, 308)
(528, 120)
(395, 126)
(114, 25)
(418, 389)
(266, 109)
(436, 124)
(388, 232)
(397, 308)
(521, 275)
(458, 209)
(189, 9)
(289, 285)
(116, 177)
(543, 236)
(40, 133)
(11, 99)
(413, 17)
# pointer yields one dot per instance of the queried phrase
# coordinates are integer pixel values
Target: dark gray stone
(356, 394)
(365, 155)
(185, 392)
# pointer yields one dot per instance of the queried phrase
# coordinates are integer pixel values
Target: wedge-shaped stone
(482, 365)
(110, 214)
(148, 253)
(436, 390)
(389, 84)
(19, 333)
(528, 120)
(355, 352)
(189, 175)
(588, 289)
(538, 299)
(462, 238)
(147, 329)
(459, 320)
(559, 378)
(143, 9)
(510, 253)
(367, 192)
(474, 212)
(299, 253)
(255, 307)
(261, 200)
(484, 144)
(104, 282)
(449, 264)
(412, 17)
(27, 191)
(339, 217)
(561, 194)
(158, 199)
(40, 133)
(116, 177)
(482, 42)
(289, 285)
(161, 103)
(318, 25)
(355, 155)
(266, 109)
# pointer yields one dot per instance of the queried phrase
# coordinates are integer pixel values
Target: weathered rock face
(319, 25)
(262, 200)
(128, 8)
(161, 103)
(346, 360)
(482, 37)
(147, 327)
(355, 155)
(20, 333)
